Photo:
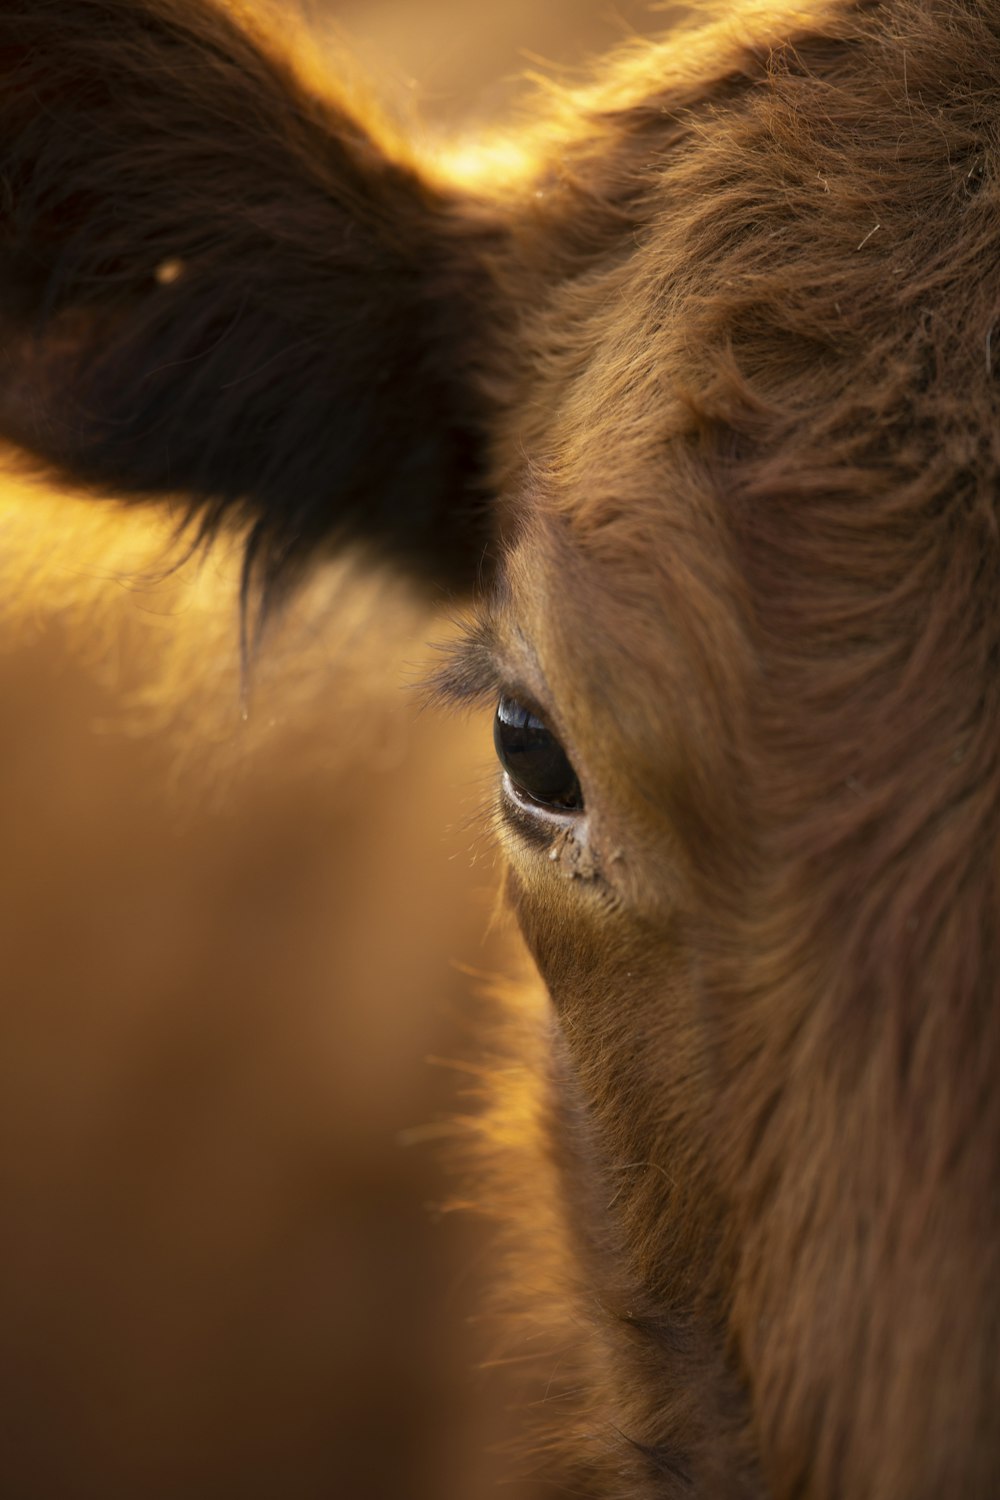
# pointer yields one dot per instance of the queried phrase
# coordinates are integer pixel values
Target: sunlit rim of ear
(486, 164)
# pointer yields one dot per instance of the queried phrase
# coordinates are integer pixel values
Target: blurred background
(240, 972)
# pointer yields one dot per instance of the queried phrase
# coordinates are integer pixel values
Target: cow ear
(215, 284)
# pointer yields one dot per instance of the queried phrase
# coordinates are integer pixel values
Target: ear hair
(216, 284)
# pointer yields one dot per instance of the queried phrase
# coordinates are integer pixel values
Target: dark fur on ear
(214, 284)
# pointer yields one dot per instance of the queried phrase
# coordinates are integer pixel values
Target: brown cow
(696, 386)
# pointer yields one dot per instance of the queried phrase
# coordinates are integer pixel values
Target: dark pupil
(533, 758)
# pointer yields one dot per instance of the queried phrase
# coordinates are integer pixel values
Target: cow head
(699, 406)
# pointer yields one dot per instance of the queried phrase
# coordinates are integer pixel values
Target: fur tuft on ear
(216, 285)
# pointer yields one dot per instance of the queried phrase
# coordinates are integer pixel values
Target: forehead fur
(801, 252)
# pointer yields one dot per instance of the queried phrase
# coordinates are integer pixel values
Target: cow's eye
(533, 758)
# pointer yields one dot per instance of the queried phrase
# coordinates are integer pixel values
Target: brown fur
(725, 345)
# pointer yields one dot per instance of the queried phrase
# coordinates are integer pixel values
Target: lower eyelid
(534, 816)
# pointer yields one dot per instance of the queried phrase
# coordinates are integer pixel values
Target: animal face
(700, 408)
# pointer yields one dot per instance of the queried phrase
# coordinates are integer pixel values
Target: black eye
(534, 759)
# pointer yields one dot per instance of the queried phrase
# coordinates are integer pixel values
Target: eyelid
(513, 688)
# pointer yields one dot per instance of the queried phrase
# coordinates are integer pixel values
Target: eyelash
(469, 676)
